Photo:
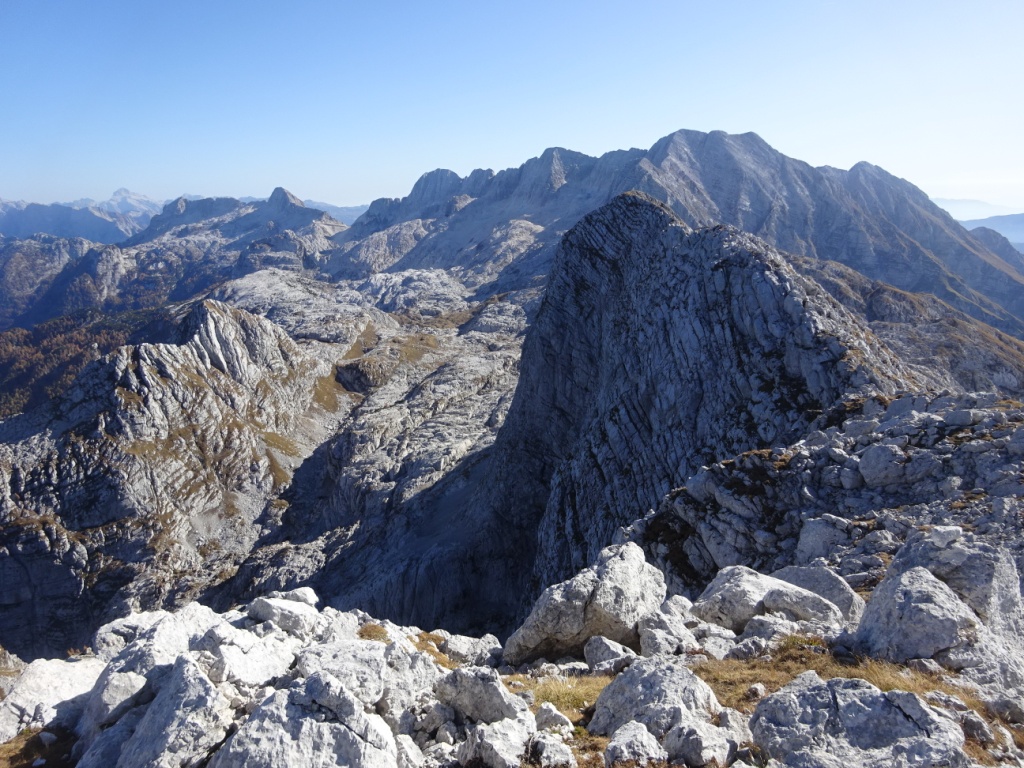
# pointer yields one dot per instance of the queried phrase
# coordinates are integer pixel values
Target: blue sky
(345, 102)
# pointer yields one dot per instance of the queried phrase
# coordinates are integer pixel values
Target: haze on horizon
(346, 103)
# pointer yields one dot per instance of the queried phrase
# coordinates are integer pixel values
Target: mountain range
(479, 405)
(1010, 226)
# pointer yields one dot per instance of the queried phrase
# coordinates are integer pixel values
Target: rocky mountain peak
(281, 199)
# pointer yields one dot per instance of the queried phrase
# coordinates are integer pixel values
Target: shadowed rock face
(659, 349)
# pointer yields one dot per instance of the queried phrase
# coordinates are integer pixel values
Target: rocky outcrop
(607, 600)
(145, 483)
(658, 349)
(849, 494)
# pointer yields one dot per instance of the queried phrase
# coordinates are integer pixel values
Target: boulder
(501, 744)
(665, 633)
(828, 584)
(633, 744)
(845, 722)
(296, 617)
(244, 658)
(913, 615)
(477, 652)
(550, 719)
(604, 655)
(659, 693)
(478, 694)
(737, 594)
(49, 692)
(188, 718)
(318, 724)
(357, 664)
(549, 751)
(882, 465)
(608, 599)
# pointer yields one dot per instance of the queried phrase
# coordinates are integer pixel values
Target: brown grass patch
(430, 644)
(25, 748)
(570, 695)
(978, 753)
(730, 679)
(327, 391)
(367, 340)
(374, 632)
(587, 748)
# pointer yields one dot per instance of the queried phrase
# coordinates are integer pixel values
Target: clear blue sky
(344, 102)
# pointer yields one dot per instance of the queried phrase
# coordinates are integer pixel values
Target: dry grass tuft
(430, 644)
(374, 632)
(588, 749)
(570, 695)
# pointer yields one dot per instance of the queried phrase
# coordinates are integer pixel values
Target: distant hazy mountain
(1011, 227)
(187, 247)
(122, 201)
(971, 209)
(346, 214)
(19, 219)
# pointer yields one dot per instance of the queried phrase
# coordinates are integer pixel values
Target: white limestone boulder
(474, 651)
(609, 598)
(499, 744)
(659, 693)
(841, 722)
(633, 744)
(318, 724)
(828, 584)
(665, 633)
(49, 692)
(479, 695)
(603, 655)
(188, 718)
(913, 615)
(296, 617)
(358, 664)
(737, 594)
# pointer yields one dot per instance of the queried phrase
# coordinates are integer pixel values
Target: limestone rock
(551, 752)
(659, 693)
(825, 582)
(737, 594)
(602, 653)
(608, 599)
(48, 693)
(185, 722)
(633, 744)
(915, 616)
(549, 718)
(479, 694)
(317, 724)
(844, 722)
(500, 744)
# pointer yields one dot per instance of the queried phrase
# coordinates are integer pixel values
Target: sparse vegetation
(39, 364)
(730, 679)
(570, 695)
(430, 644)
(374, 632)
(27, 747)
